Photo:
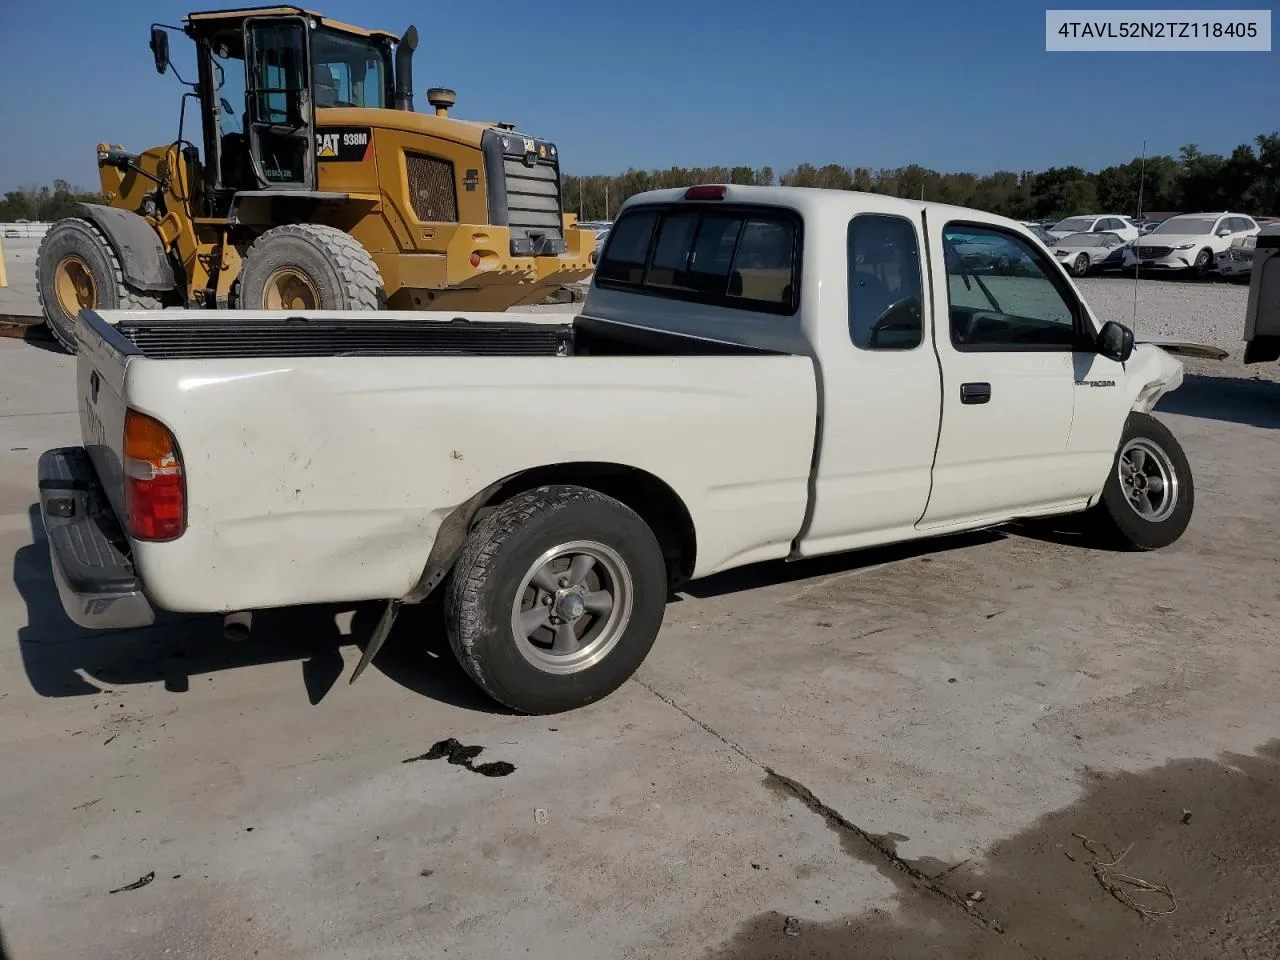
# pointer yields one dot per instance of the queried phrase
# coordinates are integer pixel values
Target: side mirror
(160, 48)
(1115, 341)
(1224, 232)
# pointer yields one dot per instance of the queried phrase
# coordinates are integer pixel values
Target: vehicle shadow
(787, 571)
(1255, 403)
(64, 660)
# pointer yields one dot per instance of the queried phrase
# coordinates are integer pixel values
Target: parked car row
(1190, 242)
(1196, 243)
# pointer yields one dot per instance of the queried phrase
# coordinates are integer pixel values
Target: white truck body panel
(325, 479)
(316, 479)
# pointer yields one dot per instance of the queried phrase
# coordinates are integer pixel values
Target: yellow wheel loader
(315, 185)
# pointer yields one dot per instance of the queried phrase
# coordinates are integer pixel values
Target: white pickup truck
(757, 373)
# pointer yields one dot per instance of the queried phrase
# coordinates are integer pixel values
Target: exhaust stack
(442, 98)
(404, 69)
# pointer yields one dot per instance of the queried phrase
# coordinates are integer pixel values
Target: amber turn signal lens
(155, 491)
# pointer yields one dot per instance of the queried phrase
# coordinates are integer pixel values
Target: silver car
(1083, 253)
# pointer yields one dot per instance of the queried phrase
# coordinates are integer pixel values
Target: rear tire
(77, 269)
(308, 266)
(1149, 495)
(559, 563)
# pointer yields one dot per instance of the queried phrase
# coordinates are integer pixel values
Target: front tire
(308, 266)
(556, 599)
(1149, 495)
(76, 269)
(1081, 265)
(1203, 261)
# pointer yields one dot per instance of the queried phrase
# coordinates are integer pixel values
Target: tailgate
(100, 373)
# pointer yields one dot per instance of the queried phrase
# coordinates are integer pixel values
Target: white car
(1122, 227)
(1189, 242)
(736, 389)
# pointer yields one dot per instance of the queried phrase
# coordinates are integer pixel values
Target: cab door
(278, 90)
(1006, 326)
(879, 387)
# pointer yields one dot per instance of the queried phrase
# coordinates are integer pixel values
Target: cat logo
(542, 150)
(343, 144)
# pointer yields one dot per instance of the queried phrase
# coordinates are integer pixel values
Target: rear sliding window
(742, 258)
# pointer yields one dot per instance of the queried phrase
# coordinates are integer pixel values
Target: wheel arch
(652, 498)
(136, 244)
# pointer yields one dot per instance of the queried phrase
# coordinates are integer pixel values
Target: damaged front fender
(1152, 372)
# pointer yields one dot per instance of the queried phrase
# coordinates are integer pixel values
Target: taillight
(705, 191)
(155, 493)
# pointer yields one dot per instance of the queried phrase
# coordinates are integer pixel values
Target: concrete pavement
(861, 743)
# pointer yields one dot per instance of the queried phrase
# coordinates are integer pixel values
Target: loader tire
(77, 269)
(556, 599)
(308, 266)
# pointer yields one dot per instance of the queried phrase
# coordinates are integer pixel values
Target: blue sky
(948, 84)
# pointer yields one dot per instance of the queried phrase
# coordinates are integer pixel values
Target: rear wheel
(1150, 494)
(76, 269)
(308, 266)
(556, 599)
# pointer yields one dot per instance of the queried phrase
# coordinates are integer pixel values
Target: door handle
(975, 392)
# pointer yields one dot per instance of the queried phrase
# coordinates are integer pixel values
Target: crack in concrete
(845, 827)
(876, 847)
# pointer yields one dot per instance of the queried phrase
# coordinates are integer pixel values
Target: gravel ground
(1209, 311)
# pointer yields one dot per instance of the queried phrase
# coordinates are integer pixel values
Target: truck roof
(817, 201)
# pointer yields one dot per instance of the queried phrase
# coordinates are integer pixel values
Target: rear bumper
(88, 551)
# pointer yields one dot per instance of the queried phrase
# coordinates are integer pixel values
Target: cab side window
(1004, 295)
(885, 311)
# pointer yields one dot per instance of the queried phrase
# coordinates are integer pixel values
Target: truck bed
(318, 463)
(194, 335)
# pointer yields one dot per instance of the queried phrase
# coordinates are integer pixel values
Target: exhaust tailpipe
(404, 69)
(237, 626)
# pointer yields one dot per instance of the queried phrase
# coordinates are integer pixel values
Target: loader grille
(432, 191)
(524, 192)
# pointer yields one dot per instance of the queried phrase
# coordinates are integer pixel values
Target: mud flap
(448, 542)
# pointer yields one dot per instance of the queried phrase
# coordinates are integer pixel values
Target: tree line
(45, 204)
(1246, 181)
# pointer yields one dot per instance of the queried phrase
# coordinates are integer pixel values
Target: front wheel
(1204, 260)
(1149, 495)
(308, 266)
(556, 599)
(1081, 265)
(77, 269)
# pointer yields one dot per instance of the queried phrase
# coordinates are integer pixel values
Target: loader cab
(262, 74)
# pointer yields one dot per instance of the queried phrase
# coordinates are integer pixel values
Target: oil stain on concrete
(1209, 829)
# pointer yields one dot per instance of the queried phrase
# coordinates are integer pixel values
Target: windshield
(1073, 224)
(1188, 225)
(1087, 240)
(349, 71)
